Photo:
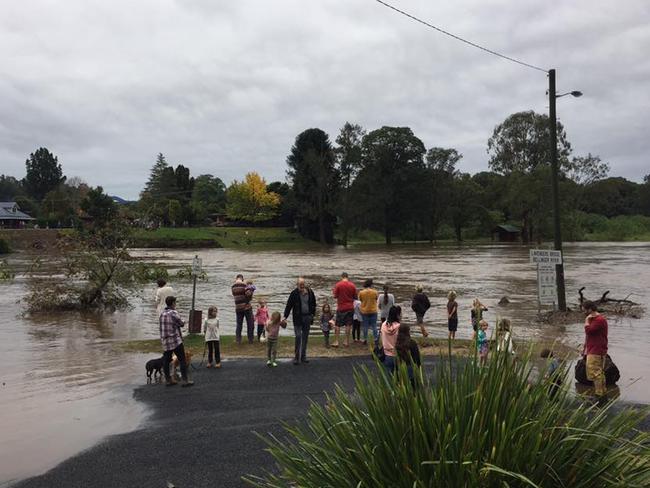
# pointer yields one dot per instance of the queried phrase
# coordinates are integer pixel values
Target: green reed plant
(466, 426)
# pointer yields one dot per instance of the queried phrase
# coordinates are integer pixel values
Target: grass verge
(230, 349)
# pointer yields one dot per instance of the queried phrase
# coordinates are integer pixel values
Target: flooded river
(64, 386)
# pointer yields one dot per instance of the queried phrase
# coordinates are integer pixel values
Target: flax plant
(460, 426)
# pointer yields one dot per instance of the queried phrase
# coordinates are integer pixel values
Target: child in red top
(261, 318)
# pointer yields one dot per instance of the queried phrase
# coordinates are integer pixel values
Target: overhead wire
(458, 38)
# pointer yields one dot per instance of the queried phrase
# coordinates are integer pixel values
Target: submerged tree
(98, 273)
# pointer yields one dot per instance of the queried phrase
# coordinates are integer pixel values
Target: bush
(485, 427)
(4, 247)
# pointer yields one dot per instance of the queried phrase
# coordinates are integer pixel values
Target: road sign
(546, 284)
(545, 256)
(197, 265)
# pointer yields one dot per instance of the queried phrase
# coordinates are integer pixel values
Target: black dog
(154, 366)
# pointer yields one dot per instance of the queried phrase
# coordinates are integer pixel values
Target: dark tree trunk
(459, 232)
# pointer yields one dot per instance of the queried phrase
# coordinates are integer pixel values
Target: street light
(559, 269)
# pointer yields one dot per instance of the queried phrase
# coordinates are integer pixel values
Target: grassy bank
(230, 349)
(228, 237)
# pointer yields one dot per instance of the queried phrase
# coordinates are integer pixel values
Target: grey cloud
(225, 87)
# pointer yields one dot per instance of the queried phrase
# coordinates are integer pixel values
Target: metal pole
(559, 269)
(193, 296)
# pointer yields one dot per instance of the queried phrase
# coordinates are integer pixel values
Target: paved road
(204, 436)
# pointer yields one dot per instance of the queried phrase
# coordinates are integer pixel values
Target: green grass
(470, 427)
(228, 237)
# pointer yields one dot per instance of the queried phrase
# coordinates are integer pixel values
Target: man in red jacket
(595, 348)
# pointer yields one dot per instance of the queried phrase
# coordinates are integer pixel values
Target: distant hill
(120, 200)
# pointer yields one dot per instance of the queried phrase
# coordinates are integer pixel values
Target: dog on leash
(176, 363)
(154, 366)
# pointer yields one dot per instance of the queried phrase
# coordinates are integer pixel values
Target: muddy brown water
(64, 386)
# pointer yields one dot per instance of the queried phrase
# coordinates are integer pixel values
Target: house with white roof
(12, 217)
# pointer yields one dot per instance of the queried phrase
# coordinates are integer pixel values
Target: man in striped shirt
(243, 309)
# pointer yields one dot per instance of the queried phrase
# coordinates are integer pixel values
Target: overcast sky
(224, 87)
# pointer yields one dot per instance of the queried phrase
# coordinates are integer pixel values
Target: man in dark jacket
(302, 302)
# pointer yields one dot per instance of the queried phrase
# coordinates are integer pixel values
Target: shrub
(494, 426)
(4, 247)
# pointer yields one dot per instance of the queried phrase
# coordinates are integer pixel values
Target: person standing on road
(172, 341)
(302, 305)
(420, 304)
(368, 298)
(596, 348)
(243, 309)
(389, 330)
(345, 293)
(162, 292)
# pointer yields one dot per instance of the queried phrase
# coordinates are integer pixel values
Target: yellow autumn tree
(249, 200)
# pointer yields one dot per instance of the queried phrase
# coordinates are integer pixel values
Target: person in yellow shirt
(368, 297)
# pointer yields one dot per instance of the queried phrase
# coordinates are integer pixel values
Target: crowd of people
(357, 313)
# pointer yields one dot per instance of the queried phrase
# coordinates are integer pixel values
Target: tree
(43, 174)
(441, 168)
(153, 183)
(250, 201)
(348, 159)
(174, 212)
(184, 185)
(392, 164)
(287, 211)
(522, 143)
(314, 179)
(99, 207)
(611, 197)
(208, 197)
(588, 169)
(644, 196)
(60, 207)
(10, 188)
(462, 208)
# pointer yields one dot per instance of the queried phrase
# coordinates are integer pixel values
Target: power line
(458, 38)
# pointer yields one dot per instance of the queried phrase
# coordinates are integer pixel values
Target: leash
(205, 347)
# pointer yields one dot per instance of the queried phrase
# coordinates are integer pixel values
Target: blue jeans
(369, 320)
(389, 364)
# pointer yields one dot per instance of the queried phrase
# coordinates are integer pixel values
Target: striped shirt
(242, 296)
(170, 329)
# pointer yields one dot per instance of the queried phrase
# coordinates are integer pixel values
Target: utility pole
(559, 268)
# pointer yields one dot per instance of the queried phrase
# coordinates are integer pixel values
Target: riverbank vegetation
(228, 237)
(467, 426)
(382, 182)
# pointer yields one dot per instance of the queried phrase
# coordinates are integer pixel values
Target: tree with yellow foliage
(249, 200)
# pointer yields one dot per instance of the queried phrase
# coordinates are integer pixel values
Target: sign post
(546, 261)
(195, 325)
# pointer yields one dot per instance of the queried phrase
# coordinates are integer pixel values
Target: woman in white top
(163, 291)
(384, 302)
